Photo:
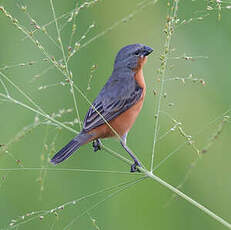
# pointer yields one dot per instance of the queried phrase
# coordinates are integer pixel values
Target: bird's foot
(97, 145)
(134, 168)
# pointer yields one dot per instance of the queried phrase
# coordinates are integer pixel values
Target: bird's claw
(96, 145)
(134, 168)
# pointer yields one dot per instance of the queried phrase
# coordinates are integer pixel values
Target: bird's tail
(71, 147)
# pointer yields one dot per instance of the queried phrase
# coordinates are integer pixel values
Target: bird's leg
(97, 145)
(136, 162)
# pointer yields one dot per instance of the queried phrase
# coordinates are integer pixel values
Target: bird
(115, 109)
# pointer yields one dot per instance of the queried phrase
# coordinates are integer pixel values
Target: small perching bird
(116, 107)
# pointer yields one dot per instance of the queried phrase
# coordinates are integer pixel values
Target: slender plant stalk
(173, 189)
(169, 30)
(65, 63)
(38, 112)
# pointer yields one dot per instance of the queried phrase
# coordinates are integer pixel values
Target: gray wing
(117, 96)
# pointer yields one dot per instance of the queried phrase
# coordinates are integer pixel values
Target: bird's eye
(137, 52)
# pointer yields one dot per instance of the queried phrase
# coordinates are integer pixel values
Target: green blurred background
(200, 109)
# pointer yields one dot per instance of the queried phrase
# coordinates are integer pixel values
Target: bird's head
(132, 56)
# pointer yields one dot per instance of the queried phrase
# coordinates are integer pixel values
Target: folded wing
(115, 98)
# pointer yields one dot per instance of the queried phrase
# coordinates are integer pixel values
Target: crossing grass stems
(43, 119)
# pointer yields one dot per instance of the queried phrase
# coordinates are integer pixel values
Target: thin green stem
(190, 200)
(4, 86)
(103, 200)
(173, 189)
(67, 170)
(65, 63)
(24, 94)
(164, 60)
(38, 112)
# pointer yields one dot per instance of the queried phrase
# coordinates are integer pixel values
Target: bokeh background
(29, 183)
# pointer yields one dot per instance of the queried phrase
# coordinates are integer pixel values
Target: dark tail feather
(70, 148)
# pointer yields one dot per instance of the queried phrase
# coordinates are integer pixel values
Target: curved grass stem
(152, 176)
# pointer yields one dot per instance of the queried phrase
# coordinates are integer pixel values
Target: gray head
(128, 56)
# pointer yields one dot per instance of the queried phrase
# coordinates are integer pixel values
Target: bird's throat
(139, 77)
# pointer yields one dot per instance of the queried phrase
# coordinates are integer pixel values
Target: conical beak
(147, 50)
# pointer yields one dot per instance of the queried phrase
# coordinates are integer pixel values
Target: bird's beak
(147, 50)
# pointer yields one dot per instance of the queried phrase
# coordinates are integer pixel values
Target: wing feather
(111, 102)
